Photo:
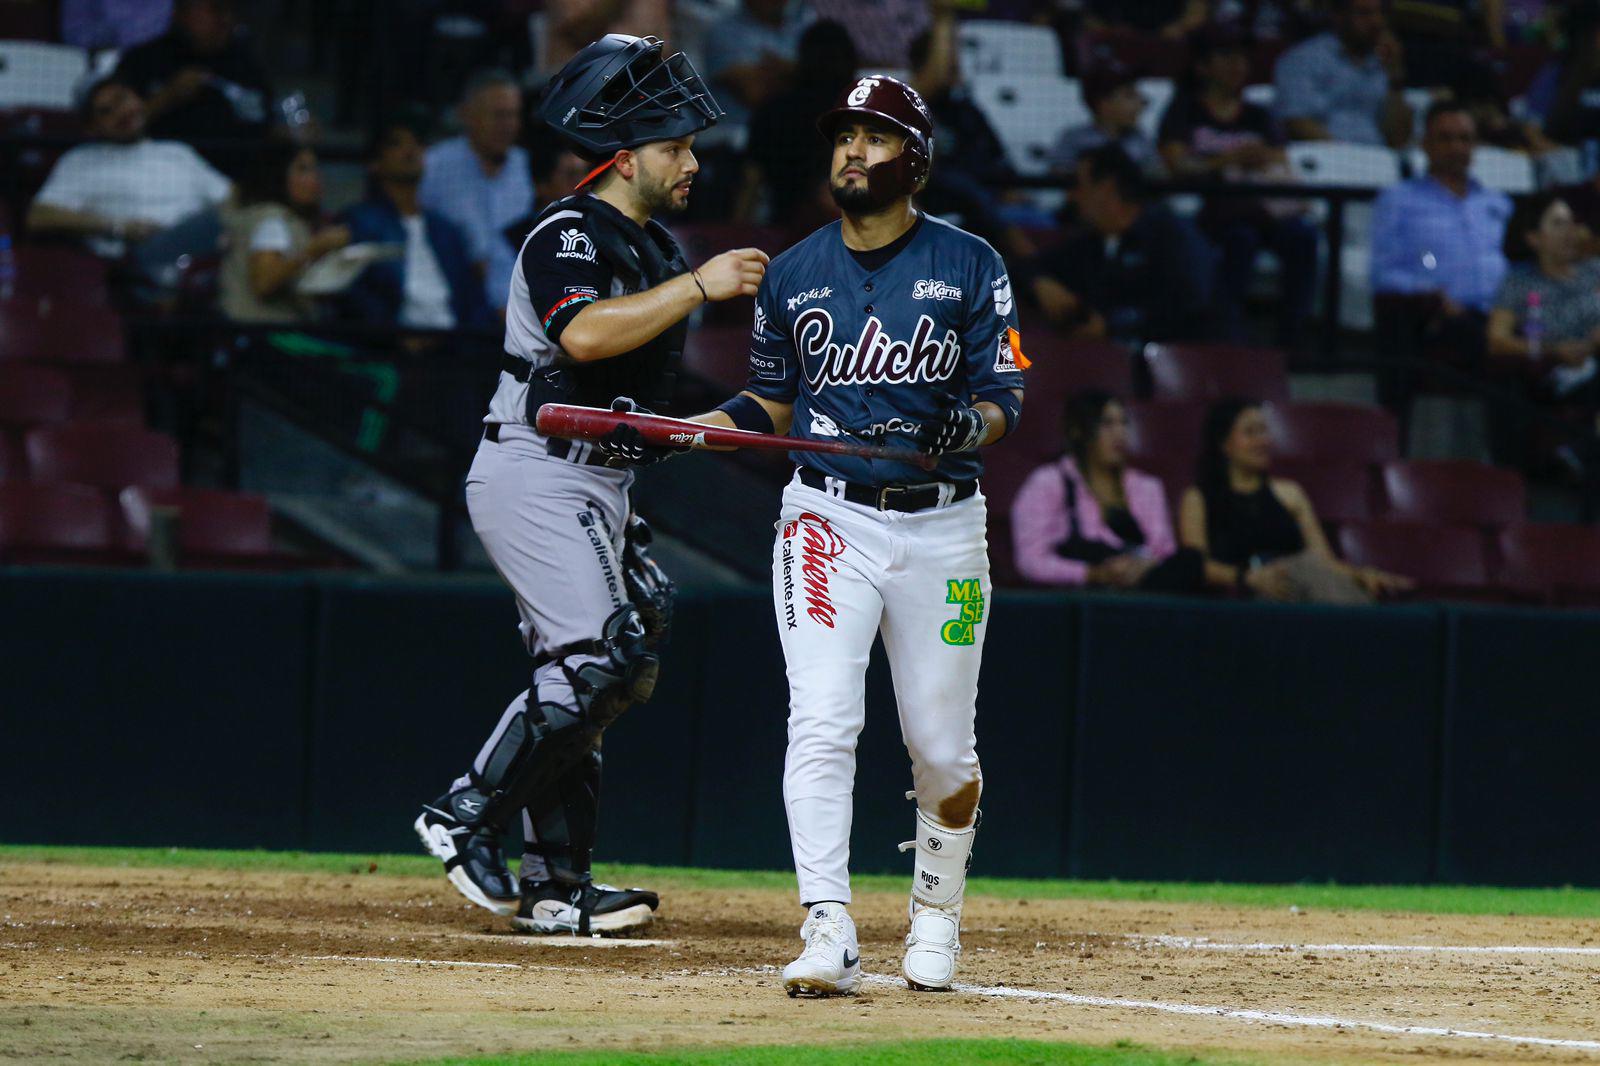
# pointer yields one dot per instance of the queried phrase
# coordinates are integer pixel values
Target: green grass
(901, 1053)
(1429, 899)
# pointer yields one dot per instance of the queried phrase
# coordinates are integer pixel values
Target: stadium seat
(1509, 171)
(113, 393)
(1558, 562)
(1444, 560)
(54, 270)
(13, 467)
(46, 330)
(1164, 439)
(1456, 492)
(1207, 372)
(1340, 492)
(34, 74)
(1028, 115)
(720, 354)
(1333, 433)
(992, 47)
(56, 524)
(1338, 163)
(213, 526)
(33, 395)
(103, 456)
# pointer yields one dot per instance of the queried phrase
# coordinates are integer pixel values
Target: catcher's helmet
(878, 96)
(619, 92)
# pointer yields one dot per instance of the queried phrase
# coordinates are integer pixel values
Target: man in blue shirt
(1346, 85)
(480, 181)
(1442, 233)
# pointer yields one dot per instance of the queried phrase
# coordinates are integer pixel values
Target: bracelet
(695, 274)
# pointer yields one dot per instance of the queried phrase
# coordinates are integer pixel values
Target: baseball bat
(592, 423)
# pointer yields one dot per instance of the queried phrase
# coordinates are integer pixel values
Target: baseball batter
(891, 325)
(595, 316)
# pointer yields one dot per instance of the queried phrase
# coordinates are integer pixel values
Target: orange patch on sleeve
(1015, 340)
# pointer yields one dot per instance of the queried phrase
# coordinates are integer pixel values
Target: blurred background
(254, 257)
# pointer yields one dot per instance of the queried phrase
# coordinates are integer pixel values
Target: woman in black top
(1259, 534)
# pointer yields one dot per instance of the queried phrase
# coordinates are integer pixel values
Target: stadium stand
(214, 528)
(1215, 371)
(66, 524)
(102, 456)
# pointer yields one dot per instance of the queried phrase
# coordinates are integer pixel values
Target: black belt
(891, 497)
(555, 447)
(520, 369)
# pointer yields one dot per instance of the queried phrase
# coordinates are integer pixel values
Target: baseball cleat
(830, 965)
(932, 948)
(583, 908)
(472, 860)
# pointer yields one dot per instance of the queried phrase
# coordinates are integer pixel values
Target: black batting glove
(624, 446)
(957, 429)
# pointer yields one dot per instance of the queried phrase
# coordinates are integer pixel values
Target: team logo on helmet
(863, 91)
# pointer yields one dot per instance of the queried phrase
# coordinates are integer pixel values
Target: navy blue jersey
(862, 354)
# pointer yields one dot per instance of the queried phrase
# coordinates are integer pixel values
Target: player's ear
(625, 163)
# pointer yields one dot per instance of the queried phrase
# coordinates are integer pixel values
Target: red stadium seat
(1443, 560)
(53, 330)
(104, 456)
(56, 524)
(1164, 440)
(13, 467)
(33, 395)
(1560, 563)
(58, 272)
(1340, 492)
(212, 525)
(1062, 366)
(720, 354)
(1333, 433)
(112, 393)
(1455, 492)
(1214, 371)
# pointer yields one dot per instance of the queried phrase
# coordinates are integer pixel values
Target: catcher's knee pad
(625, 675)
(649, 587)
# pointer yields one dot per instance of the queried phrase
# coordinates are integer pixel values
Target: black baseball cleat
(583, 908)
(472, 860)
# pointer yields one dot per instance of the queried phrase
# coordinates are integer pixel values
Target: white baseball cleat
(830, 965)
(932, 948)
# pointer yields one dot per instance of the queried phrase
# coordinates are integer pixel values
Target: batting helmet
(878, 96)
(619, 92)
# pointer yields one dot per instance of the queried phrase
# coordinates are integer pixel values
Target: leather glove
(958, 428)
(624, 446)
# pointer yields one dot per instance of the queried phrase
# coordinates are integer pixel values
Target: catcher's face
(663, 174)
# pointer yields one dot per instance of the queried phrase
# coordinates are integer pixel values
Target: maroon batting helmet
(878, 96)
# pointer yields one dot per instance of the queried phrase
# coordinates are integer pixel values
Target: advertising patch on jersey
(759, 326)
(582, 290)
(931, 289)
(1003, 303)
(966, 594)
(575, 244)
(802, 298)
(1008, 354)
(823, 426)
(768, 367)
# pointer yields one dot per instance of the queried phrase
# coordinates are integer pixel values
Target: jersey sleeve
(991, 340)
(774, 364)
(564, 273)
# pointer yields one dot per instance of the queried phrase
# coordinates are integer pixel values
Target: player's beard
(656, 194)
(853, 199)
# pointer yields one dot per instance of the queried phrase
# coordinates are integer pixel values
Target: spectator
(1346, 85)
(97, 24)
(1089, 519)
(1268, 20)
(1259, 534)
(201, 81)
(124, 187)
(784, 159)
(1111, 93)
(1441, 234)
(1563, 97)
(570, 25)
(1544, 245)
(1172, 19)
(432, 285)
(881, 30)
(750, 55)
(479, 180)
(1138, 273)
(1210, 131)
(275, 235)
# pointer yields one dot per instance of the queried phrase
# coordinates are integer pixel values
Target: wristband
(1007, 401)
(695, 274)
(747, 413)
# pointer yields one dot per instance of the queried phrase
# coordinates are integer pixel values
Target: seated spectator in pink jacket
(1088, 520)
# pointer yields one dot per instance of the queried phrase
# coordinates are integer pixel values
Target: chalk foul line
(1207, 944)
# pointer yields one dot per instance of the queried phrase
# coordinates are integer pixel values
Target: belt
(555, 447)
(891, 497)
(520, 369)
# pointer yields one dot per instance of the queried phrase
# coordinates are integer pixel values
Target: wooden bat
(592, 423)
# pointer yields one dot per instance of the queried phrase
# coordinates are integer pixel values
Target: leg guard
(938, 888)
(564, 823)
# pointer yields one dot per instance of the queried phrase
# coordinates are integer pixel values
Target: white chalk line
(1207, 944)
(559, 941)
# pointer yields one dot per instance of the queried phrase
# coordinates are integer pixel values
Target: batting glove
(624, 446)
(958, 429)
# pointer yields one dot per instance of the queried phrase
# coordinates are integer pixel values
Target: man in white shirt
(480, 181)
(123, 187)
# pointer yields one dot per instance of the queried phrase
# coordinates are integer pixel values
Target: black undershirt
(875, 258)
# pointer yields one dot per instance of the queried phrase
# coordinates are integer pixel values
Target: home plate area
(102, 963)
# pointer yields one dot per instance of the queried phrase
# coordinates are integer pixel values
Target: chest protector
(641, 258)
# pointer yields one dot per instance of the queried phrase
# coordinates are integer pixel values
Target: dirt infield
(101, 964)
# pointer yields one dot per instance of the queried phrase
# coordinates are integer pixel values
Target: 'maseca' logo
(968, 593)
